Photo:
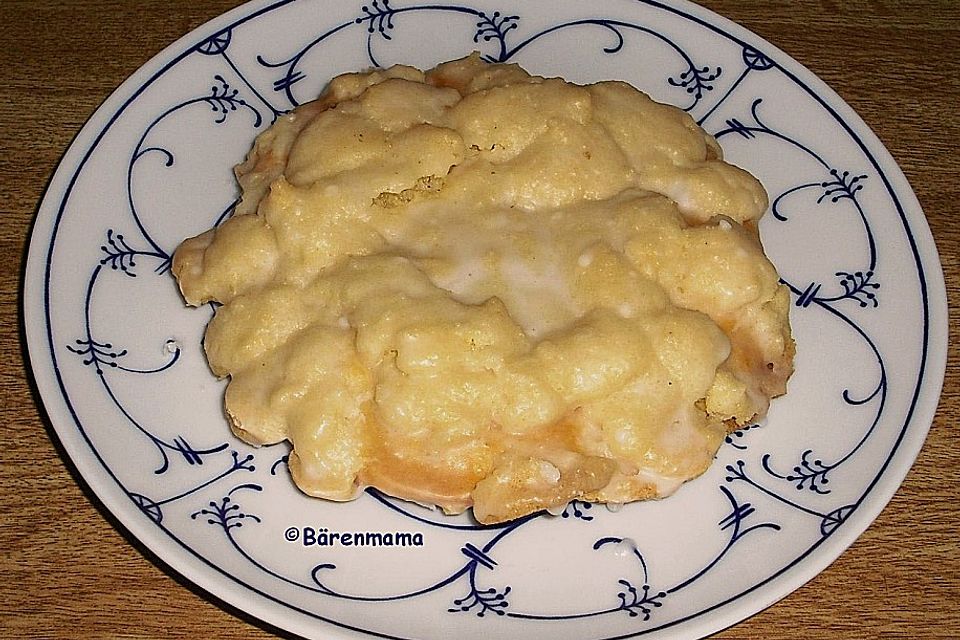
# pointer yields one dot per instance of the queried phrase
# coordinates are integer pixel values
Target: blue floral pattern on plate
(121, 369)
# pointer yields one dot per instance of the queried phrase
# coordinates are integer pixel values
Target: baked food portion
(474, 287)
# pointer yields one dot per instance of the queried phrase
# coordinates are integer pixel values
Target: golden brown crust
(478, 288)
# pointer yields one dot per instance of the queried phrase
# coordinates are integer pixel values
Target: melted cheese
(476, 287)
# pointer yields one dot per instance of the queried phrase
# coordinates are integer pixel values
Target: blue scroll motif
(217, 45)
(632, 600)
(859, 285)
(154, 508)
(578, 509)
(124, 255)
(379, 17)
(480, 601)
(693, 81)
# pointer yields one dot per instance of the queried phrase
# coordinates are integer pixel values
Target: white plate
(117, 356)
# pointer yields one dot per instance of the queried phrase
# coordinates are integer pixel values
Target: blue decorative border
(810, 473)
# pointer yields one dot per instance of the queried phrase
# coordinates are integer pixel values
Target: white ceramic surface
(118, 361)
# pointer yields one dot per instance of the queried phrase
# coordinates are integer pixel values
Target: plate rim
(95, 474)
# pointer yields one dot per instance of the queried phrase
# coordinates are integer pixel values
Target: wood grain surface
(67, 572)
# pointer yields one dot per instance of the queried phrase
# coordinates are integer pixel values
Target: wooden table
(67, 572)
